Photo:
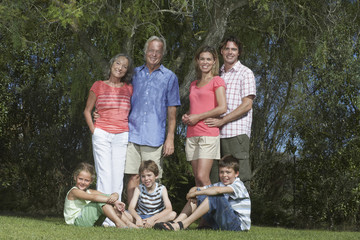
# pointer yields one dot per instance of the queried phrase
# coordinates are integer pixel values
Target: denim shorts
(144, 216)
(220, 215)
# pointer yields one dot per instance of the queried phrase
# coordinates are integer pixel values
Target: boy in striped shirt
(225, 205)
(150, 203)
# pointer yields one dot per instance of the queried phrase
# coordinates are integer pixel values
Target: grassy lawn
(54, 228)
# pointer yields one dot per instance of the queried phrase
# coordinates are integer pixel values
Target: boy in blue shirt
(225, 205)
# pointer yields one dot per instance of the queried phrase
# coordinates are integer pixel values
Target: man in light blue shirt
(155, 98)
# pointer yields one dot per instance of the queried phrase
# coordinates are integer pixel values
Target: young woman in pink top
(207, 99)
(110, 131)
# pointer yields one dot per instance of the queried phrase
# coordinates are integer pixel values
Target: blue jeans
(220, 215)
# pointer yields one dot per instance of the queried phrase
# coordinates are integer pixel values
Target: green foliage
(178, 177)
(327, 185)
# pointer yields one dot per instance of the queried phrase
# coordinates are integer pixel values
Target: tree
(329, 134)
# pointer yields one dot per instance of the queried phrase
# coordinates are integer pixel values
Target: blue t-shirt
(153, 93)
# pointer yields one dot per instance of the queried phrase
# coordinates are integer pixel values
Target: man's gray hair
(152, 38)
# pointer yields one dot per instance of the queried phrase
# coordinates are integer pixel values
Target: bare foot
(131, 225)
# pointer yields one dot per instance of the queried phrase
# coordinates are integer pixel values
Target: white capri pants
(109, 151)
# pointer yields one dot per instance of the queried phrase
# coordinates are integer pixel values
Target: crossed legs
(121, 219)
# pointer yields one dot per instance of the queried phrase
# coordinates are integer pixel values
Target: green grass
(54, 228)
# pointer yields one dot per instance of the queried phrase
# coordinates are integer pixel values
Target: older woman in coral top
(110, 131)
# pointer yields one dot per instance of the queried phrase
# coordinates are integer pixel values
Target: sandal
(171, 228)
(160, 226)
(181, 225)
(167, 226)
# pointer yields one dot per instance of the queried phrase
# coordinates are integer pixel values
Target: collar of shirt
(152, 95)
(145, 68)
(235, 68)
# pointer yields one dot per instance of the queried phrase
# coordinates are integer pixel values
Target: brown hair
(149, 165)
(215, 70)
(231, 39)
(230, 162)
(129, 72)
(83, 166)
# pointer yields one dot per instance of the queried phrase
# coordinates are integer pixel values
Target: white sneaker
(108, 223)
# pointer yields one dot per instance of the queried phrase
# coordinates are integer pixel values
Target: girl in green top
(87, 207)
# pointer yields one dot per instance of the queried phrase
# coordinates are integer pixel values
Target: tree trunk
(220, 12)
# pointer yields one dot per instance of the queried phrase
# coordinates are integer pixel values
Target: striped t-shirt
(150, 203)
(239, 201)
(113, 106)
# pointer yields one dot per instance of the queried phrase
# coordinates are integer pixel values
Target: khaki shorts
(135, 154)
(202, 147)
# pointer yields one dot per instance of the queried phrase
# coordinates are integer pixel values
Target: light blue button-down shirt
(153, 93)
